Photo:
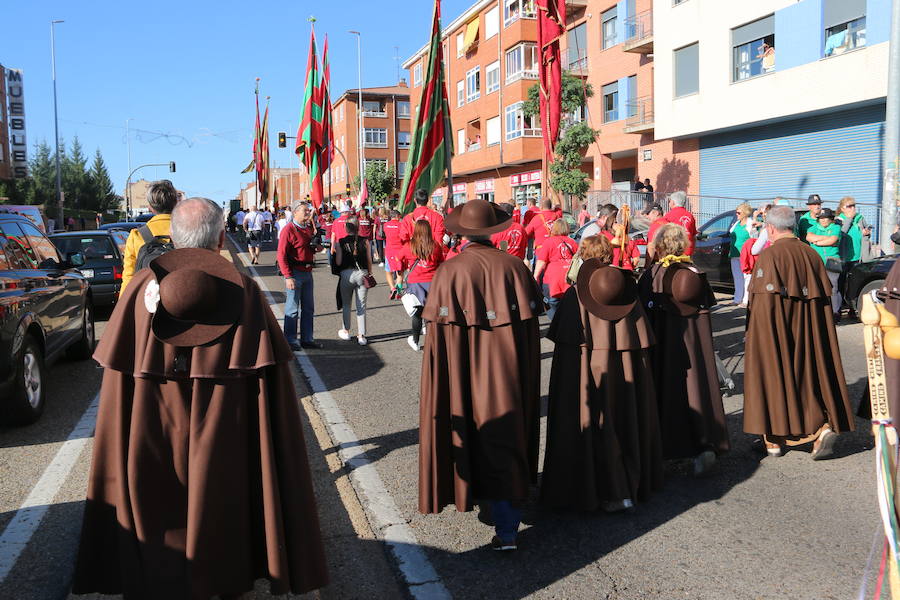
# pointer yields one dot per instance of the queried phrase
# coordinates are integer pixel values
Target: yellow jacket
(159, 225)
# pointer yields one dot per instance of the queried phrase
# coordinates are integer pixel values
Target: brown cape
(199, 483)
(691, 414)
(602, 428)
(793, 376)
(890, 293)
(479, 416)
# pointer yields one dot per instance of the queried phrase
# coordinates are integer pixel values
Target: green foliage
(575, 92)
(381, 181)
(103, 195)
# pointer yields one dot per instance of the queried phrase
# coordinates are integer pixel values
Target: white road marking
(387, 520)
(28, 518)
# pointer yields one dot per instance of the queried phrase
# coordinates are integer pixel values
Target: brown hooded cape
(479, 415)
(199, 483)
(602, 428)
(691, 413)
(793, 376)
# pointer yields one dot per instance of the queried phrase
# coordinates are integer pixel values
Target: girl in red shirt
(555, 256)
(632, 255)
(378, 222)
(393, 266)
(422, 257)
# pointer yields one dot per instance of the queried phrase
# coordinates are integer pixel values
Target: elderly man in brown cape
(480, 388)
(199, 483)
(794, 387)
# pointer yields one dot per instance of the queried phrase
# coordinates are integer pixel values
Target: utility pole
(128, 189)
(359, 109)
(59, 196)
(891, 135)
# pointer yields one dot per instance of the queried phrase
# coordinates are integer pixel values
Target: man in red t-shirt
(530, 211)
(393, 249)
(433, 217)
(655, 216)
(296, 258)
(680, 215)
(539, 226)
(514, 239)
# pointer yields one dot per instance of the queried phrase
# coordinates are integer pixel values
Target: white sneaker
(412, 344)
(361, 339)
(343, 334)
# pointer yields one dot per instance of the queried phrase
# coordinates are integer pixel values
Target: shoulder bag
(410, 301)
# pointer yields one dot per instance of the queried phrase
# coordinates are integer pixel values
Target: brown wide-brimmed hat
(686, 289)
(477, 217)
(606, 291)
(200, 297)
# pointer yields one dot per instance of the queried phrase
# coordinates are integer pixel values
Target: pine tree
(43, 175)
(103, 193)
(76, 181)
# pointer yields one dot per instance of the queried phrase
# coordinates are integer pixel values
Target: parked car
(143, 218)
(103, 252)
(865, 277)
(637, 231)
(123, 226)
(45, 312)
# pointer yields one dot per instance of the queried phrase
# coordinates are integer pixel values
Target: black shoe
(295, 346)
(501, 546)
(311, 345)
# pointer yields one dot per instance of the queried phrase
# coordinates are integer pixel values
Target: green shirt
(805, 223)
(739, 235)
(851, 241)
(827, 252)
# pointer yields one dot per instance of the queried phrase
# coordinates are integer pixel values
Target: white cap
(345, 207)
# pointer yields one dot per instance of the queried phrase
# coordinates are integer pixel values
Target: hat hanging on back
(686, 289)
(606, 291)
(200, 297)
(477, 217)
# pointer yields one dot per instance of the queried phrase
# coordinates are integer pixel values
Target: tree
(76, 181)
(43, 174)
(102, 191)
(381, 181)
(566, 175)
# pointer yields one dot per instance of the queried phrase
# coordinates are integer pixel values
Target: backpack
(154, 245)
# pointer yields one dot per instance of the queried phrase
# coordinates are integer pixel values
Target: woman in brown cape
(603, 446)
(678, 299)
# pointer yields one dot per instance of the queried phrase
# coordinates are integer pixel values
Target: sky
(184, 73)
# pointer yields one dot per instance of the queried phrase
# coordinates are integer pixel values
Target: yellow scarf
(668, 260)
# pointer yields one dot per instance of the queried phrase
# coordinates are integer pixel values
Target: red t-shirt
(392, 230)
(516, 239)
(424, 269)
(557, 253)
(681, 216)
(434, 219)
(529, 215)
(654, 226)
(294, 250)
(631, 250)
(379, 232)
(539, 226)
(365, 229)
(338, 230)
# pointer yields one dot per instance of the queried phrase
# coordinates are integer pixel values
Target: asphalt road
(753, 528)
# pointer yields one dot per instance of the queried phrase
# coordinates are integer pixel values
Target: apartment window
(460, 44)
(375, 138)
(417, 75)
(376, 161)
(460, 93)
(845, 26)
(577, 48)
(493, 130)
(492, 23)
(341, 114)
(401, 170)
(522, 63)
(687, 70)
(403, 139)
(473, 84)
(631, 109)
(373, 108)
(754, 48)
(610, 102)
(518, 125)
(609, 19)
(492, 77)
(403, 109)
(342, 142)
(460, 141)
(513, 10)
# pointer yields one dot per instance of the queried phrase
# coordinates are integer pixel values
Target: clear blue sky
(187, 69)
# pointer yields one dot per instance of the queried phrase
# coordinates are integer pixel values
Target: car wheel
(83, 349)
(29, 390)
(877, 284)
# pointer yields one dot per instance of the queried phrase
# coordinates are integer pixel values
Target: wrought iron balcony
(640, 115)
(639, 33)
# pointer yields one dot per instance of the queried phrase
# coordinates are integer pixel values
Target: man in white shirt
(239, 220)
(253, 225)
(267, 225)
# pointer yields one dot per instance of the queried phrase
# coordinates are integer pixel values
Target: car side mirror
(75, 259)
(701, 236)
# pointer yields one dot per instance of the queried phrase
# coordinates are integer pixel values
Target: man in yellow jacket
(161, 197)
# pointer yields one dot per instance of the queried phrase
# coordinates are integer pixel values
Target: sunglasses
(849, 206)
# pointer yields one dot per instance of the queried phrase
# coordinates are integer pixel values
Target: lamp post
(359, 109)
(59, 196)
(128, 143)
(170, 164)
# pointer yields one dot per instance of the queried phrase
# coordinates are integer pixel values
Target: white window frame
(374, 113)
(524, 10)
(608, 41)
(372, 137)
(401, 169)
(492, 22)
(514, 113)
(401, 144)
(417, 75)
(400, 113)
(492, 69)
(460, 93)
(498, 126)
(372, 161)
(473, 80)
(460, 44)
(460, 141)
(517, 59)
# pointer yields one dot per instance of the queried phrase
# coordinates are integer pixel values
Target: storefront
(437, 197)
(525, 186)
(459, 194)
(484, 190)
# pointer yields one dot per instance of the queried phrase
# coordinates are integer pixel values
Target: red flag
(309, 137)
(327, 124)
(551, 26)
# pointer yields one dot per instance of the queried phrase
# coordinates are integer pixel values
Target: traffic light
(171, 166)
(348, 190)
(282, 139)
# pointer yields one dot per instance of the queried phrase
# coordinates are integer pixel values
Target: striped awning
(471, 35)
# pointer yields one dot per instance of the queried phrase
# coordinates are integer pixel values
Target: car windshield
(89, 246)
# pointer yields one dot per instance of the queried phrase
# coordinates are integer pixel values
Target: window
(342, 142)
(15, 246)
(460, 141)
(522, 63)
(609, 19)
(492, 23)
(473, 84)
(518, 125)
(401, 170)
(845, 26)
(492, 75)
(631, 108)
(460, 44)
(687, 70)
(417, 75)
(376, 161)
(753, 49)
(513, 10)
(460, 93)
(577, 48)
(373, 108)
(375, 138)
(403, 139)
(611, 102)
(493, 131)
(403, 109)
(341, 114)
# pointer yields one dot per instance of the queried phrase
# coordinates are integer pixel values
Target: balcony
(639, 33)
(641, 115)
(578, 66)
(374, 113)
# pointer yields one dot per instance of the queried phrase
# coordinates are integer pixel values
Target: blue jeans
(551, 301)
(506, 519)
(300, 300)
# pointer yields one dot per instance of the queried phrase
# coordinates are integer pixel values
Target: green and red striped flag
(432, 146)
(260, 160)
(327, 123)
(310, 136)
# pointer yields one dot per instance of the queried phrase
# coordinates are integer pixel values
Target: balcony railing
(640, 111)
(374, 113)
(639, 33)
(578, 66)
(375, 145)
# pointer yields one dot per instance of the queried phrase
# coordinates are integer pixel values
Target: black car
(865, 277)
(103, 252)
(45, 311)
(123, 226)
(143, 218)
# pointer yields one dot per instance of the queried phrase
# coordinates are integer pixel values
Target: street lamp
(359, 109)
(59, 197)
(170, 164)
(128, 144)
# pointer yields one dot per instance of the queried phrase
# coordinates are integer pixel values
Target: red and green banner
(327, 123)
(310, 137)
(551, 26)
(260, 160)
(432, 146)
